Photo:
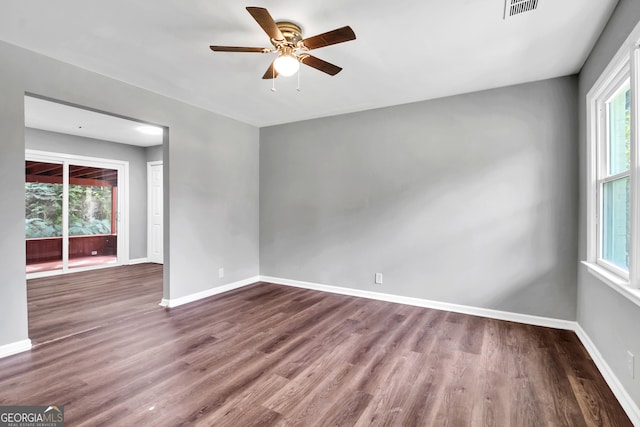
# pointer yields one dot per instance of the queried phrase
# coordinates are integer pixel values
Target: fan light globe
(287, 65)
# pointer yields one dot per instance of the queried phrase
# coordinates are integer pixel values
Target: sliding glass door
(71, 214)
(93, 207)
(43, 215)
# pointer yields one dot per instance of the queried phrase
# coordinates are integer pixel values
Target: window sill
(616, 283)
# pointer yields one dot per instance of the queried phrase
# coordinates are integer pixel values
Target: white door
(154, 209)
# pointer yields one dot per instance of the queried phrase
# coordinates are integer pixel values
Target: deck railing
(50, 248)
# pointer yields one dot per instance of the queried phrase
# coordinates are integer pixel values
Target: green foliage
(92, 226)
(35, 227)
(43, 210)
(89, 210)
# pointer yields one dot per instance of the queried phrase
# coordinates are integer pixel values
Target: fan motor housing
(291, 32)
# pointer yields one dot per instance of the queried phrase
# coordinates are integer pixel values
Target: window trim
(602, 115)
(123, 200)
(600, 147)
(625, 64)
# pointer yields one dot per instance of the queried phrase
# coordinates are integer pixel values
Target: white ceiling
(61, 118)
(405, 51)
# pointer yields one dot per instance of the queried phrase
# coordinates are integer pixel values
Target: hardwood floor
(275, 355)
(64, 305)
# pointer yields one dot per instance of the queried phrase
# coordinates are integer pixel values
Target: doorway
(104, 157)
(92, 168)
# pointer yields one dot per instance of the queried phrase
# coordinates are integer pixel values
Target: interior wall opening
(87, 202)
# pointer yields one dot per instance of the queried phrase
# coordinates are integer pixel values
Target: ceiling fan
(292, 49)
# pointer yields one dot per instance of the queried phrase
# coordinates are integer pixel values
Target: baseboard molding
(419, 302)
(15, 347)
(627, 402)
(138, 261)
(612, 380)
(175, 302)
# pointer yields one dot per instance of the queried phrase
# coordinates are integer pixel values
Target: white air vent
(516, 7)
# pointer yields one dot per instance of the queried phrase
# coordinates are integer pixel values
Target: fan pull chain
(273, 78)
(298, 89)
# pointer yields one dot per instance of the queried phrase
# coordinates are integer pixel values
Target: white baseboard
(15, 347)
(612, 380)
(174, 302)
(138, 261)
(419, 302)
(627, 403)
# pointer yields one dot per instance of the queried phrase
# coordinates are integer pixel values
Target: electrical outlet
(630, 364)
(94, 252)
(221, 272)
(379, 278)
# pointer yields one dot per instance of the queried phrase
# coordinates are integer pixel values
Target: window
(614, 178)
(90, 206)
(613, 194)
(75, 212)
(43, 209)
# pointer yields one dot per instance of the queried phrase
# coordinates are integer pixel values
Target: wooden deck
(78, 262)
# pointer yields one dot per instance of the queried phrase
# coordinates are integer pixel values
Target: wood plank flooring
(275, 355)
(64, 305)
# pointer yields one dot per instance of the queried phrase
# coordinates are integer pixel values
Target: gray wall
(469, 199)
(211, 179)
(36, 139)
(154, 153)
(608, 318)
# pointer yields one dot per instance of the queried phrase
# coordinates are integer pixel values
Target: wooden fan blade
(264, 19)
(271, 72)
(239, 49)
(319, 64)
(340, 35)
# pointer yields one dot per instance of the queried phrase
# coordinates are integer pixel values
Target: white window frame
(123, 204)
(624, 65)
(602, 164)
